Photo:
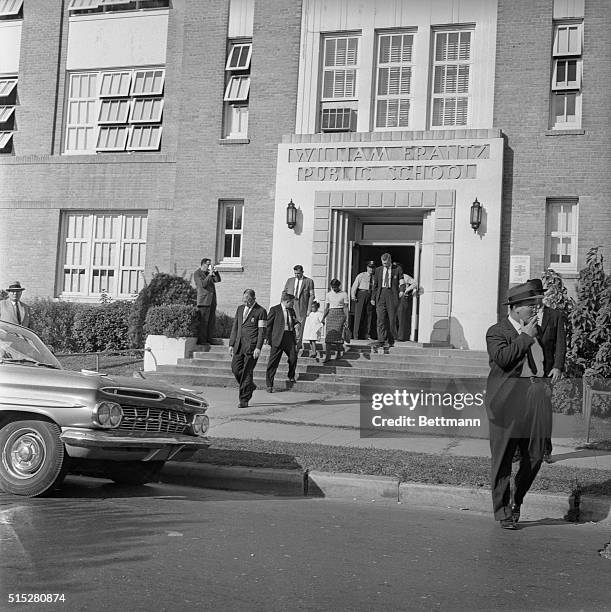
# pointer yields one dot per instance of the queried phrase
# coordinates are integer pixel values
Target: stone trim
(79, 205)
(348, 137)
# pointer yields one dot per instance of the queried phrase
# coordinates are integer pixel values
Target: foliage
(172, 320)
(163, 289)
(53, 322)
(3, 294)
(555, 292)
(590, 346)
(102, 327)
(223, 326)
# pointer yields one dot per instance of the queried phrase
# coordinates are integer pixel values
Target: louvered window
(451, 76)
(10, 9)
(566, 76)
(8, 100)
(103, 253)
(394, 80)
(237, 89)
(340, 57)
(105, 6)
(118, 110)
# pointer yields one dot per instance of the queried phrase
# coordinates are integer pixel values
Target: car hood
(57, 385)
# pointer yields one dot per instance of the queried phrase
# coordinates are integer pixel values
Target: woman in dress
(336, 319)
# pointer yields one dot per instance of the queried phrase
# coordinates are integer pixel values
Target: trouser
(386, 311)
(362, 314)
(207, 323)
(242, 366)
(287, 346)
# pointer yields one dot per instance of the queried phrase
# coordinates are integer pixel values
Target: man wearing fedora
(515, 393)
(13, 309)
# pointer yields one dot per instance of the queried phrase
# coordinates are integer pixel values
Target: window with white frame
(77, 7)
(231, 222)
(562, 234)
(566, 76)
(237, 89)
(8, 101)
(338, 102)
(393, 80)
(11, 9)
(451, 77)
(114, 110)
(102, 253)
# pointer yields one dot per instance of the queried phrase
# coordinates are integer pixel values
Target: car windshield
(22, 346)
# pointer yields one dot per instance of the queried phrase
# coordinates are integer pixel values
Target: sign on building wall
(520, 269)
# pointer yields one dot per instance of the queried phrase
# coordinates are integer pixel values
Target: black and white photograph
(305, 305)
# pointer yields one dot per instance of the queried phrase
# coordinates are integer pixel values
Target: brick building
(146, 134)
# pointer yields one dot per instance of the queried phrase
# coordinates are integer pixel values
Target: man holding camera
(205, 278)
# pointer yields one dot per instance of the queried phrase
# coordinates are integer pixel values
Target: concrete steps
(390, 367)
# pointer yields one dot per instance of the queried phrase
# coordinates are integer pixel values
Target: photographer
(205, 278)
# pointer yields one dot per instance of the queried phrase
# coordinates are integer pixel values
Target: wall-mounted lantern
(476, 215)
(291, 215)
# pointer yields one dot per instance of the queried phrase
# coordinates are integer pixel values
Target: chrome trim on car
(92, 438)
(156, 420)
(132, 393)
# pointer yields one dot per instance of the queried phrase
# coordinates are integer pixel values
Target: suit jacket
(303, 304)
(396, 278)
(248, 335)
(275, 325)
(206, 291)
(7, 312)
(506, 351)
(552, 336)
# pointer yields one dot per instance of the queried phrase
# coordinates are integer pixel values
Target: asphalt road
(165, 547)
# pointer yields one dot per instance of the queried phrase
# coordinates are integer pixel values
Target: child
(312, 328)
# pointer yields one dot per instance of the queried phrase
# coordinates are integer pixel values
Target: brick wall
(539, 165)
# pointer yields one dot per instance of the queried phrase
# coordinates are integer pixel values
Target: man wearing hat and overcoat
(515, 391)
(13, 309)
(361, 293)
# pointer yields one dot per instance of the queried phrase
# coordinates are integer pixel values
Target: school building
(470, 138)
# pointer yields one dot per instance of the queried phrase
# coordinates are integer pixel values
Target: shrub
(224, 323)
(53, 322)
(172, 320)
(102, 327)
(163, 289)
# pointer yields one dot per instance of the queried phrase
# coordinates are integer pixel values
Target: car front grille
(155, 420)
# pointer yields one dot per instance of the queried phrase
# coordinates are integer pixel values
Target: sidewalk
(289, 416)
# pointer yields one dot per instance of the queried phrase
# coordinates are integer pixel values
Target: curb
(363, 487)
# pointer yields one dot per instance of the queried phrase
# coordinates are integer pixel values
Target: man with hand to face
(516, 399)
(245, 342)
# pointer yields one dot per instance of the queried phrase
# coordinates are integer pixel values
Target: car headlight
(200, 424)
(107, 415)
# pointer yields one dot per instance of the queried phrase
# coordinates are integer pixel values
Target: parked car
(54, 421)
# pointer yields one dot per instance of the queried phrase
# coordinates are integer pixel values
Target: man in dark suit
(205, 278)
(281, 323)
(515, 391)
(302, 288)
(388, 288)
(245, 342)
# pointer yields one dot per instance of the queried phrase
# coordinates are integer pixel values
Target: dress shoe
(507, 524)
(270, 389)
(291, 380)
(243, 405)
(548, 458)
(515, 513)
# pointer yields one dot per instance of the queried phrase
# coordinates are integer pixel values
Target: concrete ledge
(235, 478)
(352, 486)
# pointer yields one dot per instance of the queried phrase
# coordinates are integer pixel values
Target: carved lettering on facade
(387, 173)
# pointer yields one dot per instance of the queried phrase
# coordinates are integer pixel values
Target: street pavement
(165, 547)
(335, 420)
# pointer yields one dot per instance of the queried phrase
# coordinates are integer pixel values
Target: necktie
(386, 278)
(531, 361)
(246, 313)
(289, 321)
(18, 313)
(371, 283)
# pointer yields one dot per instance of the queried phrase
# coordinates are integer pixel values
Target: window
(562, 235)
(103, 253)
(231, 230)
(8, 101)
(77, 7)
(451, 72)
(114, 111)
(237, 89)
(338, 106)
(394, 78)
(566, 76)
(10, 9)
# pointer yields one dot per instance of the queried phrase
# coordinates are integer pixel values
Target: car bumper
(136, 446)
